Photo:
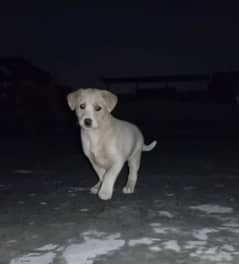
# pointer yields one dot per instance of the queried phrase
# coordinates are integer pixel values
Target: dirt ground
(184, 210)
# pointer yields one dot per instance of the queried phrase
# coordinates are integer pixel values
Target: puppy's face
(91, 106)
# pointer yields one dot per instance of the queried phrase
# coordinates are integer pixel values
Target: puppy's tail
(150, 146)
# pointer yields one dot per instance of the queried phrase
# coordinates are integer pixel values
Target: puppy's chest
(96, 151)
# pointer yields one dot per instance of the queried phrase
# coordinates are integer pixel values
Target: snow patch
(212, 209)
(84, 210)
(172, 245)
(13, 241)
(47, 247)
(228, 247)
(164, 230)
(191, 244)
(166, 214)
(155, 248)
(169, 194)
(95, 233)
(214, 254)
(230, 229)
(232, 223)
(142, 241)
(202, 234)
(155, 224)
(59, 249)
(35, 258)
(158, 229)
(77, 189)
(123, 207)
(86, 252)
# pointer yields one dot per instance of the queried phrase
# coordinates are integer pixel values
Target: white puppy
(107, 141)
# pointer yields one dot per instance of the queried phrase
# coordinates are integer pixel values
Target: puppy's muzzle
(88, 122)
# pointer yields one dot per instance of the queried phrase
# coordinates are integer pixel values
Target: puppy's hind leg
(134, 164)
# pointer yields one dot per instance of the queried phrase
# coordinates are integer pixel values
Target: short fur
(108, 142)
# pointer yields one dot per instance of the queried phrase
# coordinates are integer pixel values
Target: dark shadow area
(38, 129)
(34, 110)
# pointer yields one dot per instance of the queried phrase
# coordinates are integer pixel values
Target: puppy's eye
(98, 108)
(82, 106)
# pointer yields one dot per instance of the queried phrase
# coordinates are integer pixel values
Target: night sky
(80, 44)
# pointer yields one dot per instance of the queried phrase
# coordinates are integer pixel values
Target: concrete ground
(185, 208)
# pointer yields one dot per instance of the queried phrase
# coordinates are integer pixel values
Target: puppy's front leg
(109, 179)
(100, 173)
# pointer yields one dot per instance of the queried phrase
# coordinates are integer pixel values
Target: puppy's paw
(128, 190)
(104, 195)
(95, 188)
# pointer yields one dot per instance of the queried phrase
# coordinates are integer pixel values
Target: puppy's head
(91, 106)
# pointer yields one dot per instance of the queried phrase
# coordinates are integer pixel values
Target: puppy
(108, 142)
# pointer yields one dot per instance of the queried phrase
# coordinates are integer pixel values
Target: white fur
(108, 142)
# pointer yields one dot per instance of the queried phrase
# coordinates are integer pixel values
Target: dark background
(182, 61)
(78, 44)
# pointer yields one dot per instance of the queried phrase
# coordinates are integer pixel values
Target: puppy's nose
(88, 122)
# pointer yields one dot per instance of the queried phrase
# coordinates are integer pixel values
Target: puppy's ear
(110, 100)
(72, 99)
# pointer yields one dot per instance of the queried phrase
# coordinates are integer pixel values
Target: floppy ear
(110, 100)
(72, 99)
